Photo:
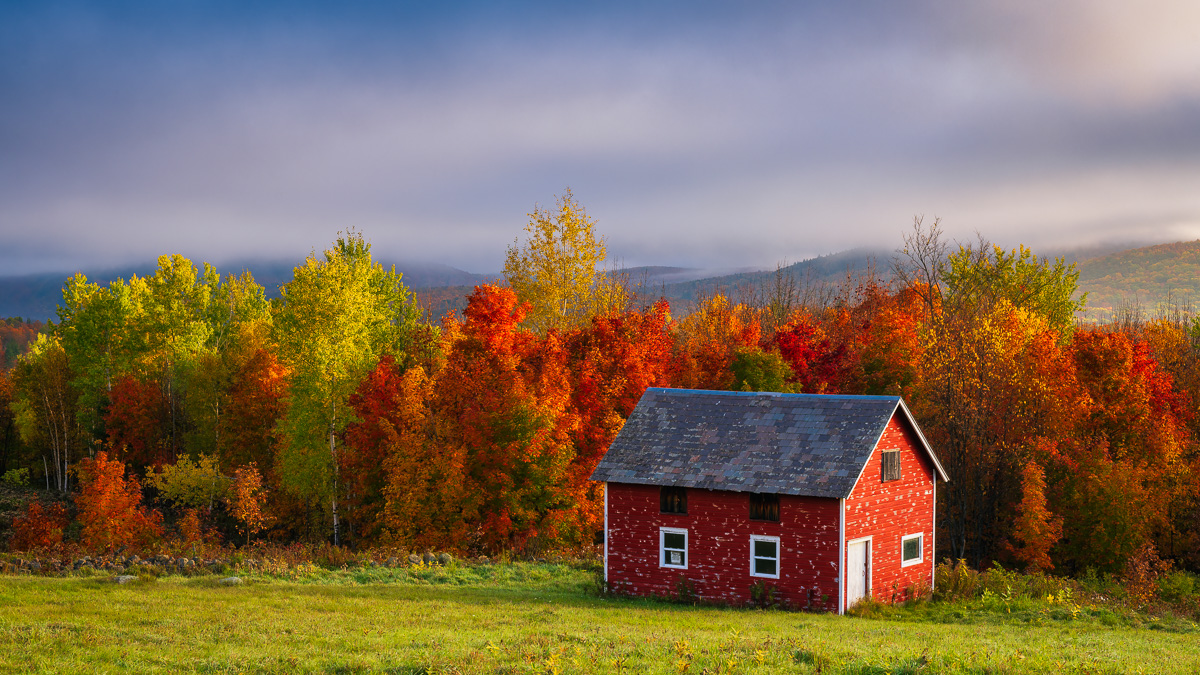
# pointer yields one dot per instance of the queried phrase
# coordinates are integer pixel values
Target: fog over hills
(1114, 275)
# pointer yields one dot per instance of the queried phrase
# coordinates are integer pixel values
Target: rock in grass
(231, 581)
(414, 559)
(124, 578)
(444, 559)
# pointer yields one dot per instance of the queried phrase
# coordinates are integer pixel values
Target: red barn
(822, 499)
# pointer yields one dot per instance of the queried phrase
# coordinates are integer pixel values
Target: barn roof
(795, 444)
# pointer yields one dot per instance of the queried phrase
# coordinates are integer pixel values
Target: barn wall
(889, 511)
(719, 530)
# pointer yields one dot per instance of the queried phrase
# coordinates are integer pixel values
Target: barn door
(858, 571)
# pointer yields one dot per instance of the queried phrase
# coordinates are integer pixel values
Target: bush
(38, 527)
(1178, 587)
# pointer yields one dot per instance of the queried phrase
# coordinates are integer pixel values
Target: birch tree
(336, 317)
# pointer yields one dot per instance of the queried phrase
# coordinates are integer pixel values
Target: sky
(696, 134)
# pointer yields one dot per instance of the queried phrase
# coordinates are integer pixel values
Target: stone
(444, 559)
(231, 581)
(428, 558)
(392, 561)
(124, 578)
(414, 559)
(34, 566)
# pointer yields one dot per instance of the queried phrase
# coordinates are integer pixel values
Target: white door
(858, 571)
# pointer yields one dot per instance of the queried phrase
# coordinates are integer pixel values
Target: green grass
(539, 618)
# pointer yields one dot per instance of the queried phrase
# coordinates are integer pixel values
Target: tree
(336, 317)
(1036, 529)
(190, 484)
(247, 496)
(110, 507)
(45, 407)
(986, 273)
(559, 271)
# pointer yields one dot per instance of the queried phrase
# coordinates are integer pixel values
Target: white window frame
(920, 537)
(778, 555)
(662, 548)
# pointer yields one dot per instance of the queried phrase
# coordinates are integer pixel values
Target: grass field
(538, 618)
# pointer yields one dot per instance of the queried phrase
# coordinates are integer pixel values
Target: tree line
(185, 404)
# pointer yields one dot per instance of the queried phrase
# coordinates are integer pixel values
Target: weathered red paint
(719, 530)
(887, 512)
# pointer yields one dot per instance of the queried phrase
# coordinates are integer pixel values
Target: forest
(186, 406)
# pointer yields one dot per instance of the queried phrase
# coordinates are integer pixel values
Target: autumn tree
(110, 507)
(39, 526)
(560, 269)
(1035, 529)
(501, 404)
(611, 361)
(190, 484)
(983, 274)
(335, 318)
(45, 408)
(707, 340)
(247, 497)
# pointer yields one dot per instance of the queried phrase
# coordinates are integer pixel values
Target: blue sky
(696, 133)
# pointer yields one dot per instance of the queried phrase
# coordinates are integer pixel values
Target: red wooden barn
(824, 499)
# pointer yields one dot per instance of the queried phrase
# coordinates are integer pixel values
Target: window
(764, 507)
(764, 556)
(672, 545)
(891, 465)
(912, 549)
(672, 500)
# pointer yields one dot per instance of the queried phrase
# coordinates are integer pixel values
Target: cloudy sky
(709, 134)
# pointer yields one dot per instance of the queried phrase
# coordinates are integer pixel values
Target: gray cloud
(726, 137)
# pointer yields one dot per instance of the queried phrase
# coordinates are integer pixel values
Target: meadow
(542, 618)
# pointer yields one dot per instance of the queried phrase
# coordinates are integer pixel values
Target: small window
(672, 500)
(764, 556)
(764, 507)
(912, 549)
(891, 465)
(672, 544)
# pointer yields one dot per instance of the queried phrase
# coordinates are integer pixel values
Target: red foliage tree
(137, 414)
(38, 527)
(110, 507)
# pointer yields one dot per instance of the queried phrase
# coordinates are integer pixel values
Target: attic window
(891, 465)
(673, 500)
(764, 507)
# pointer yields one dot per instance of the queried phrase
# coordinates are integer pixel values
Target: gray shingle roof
(795, 444)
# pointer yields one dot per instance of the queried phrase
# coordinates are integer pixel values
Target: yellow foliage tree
(560, 270)
(190, 484)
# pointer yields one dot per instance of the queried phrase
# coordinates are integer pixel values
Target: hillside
(36, 297)
(1147, 278)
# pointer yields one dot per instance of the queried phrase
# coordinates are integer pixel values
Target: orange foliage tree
(38, 527)
(1035, 529)
(247, 497)
(501, 404)
(110, 507)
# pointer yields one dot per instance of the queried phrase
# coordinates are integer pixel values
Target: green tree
(986, 273)
(335, 319)
(559, 271)
(44, 405)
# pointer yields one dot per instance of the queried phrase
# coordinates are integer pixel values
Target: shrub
(38, 527)
(110, 507)
(1178, 587)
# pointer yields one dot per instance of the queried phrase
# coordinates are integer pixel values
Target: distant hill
(827, 270)
(1147, 277)
(36, 297)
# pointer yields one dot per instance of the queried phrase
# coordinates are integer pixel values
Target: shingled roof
(794, 444)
